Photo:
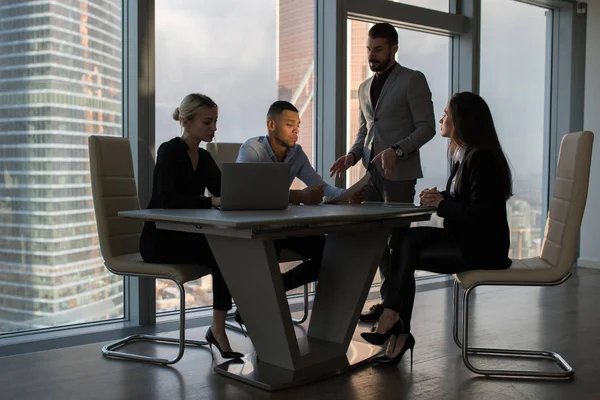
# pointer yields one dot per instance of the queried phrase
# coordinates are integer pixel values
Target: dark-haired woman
(475, 233)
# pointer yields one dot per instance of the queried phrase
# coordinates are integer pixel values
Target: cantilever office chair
(113, 190)
(551, 268)
(227, 153)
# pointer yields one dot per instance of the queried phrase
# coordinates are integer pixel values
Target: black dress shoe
(211, 339)
(373, 314)
(409, 344)
(380, 338)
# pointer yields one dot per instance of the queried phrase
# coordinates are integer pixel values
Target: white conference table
(243, 245)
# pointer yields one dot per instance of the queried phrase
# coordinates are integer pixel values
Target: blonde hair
(190, 105)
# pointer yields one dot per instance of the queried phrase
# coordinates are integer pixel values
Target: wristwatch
(398, 150)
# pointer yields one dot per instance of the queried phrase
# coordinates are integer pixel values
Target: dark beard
(381, 66)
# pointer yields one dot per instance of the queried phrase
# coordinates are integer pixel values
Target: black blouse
(476, 213)
(176, 184)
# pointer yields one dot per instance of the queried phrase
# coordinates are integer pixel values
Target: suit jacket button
(375, 120)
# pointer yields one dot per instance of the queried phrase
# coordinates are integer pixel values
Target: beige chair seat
(532, 270)
(128, 264)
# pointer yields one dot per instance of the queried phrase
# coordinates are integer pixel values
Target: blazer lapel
(452, 175)
(367, 94)
(366, 98)
(389, 82)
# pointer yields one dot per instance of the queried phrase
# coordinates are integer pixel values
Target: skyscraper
(60, 81)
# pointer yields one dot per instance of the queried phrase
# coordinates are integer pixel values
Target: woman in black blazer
(182, 173)
(475, 233)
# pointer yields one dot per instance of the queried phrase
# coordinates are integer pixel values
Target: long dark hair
(474, 129)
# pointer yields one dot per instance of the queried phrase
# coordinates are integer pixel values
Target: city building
(60, 81)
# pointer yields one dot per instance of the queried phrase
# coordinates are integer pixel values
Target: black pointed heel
(380, 338)
(212, 340)
(409, 344)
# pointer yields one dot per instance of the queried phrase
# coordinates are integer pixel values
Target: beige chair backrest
(113, 190)
(567, 205)
(223, 152)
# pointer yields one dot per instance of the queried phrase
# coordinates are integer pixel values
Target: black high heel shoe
(380, 338)
(409, 344)
(211, 339)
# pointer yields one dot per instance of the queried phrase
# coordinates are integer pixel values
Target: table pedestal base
(269, 377)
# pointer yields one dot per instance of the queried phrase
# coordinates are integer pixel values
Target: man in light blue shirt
(280, 145)
(283, 124)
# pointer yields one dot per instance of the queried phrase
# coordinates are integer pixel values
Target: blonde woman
(182, 174)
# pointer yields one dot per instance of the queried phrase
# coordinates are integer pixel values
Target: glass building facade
(60, 81)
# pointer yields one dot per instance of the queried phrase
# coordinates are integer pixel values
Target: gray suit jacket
(403, 116)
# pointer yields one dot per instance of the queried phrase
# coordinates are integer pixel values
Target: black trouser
(422, 248)
(382, 189)
(171, 247)
(310, 248)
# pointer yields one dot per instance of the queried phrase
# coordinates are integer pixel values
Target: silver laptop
(255, 186)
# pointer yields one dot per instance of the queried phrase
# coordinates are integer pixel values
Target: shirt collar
(288, 156)
(459, 154)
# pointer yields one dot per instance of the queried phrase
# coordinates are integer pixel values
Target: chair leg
(456, 319)
(304, 317)
(233, 325)
(110, 349)
(567, 372)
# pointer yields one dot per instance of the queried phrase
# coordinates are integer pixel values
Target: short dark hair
(386, 31)
(279, 107)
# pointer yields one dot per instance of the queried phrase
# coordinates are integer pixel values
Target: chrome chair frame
(304, 317)
(567, 372)
(110, 349)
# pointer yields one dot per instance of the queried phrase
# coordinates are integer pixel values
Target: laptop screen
(255, 186)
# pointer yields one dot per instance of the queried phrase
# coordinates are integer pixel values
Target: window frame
(565, 97)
